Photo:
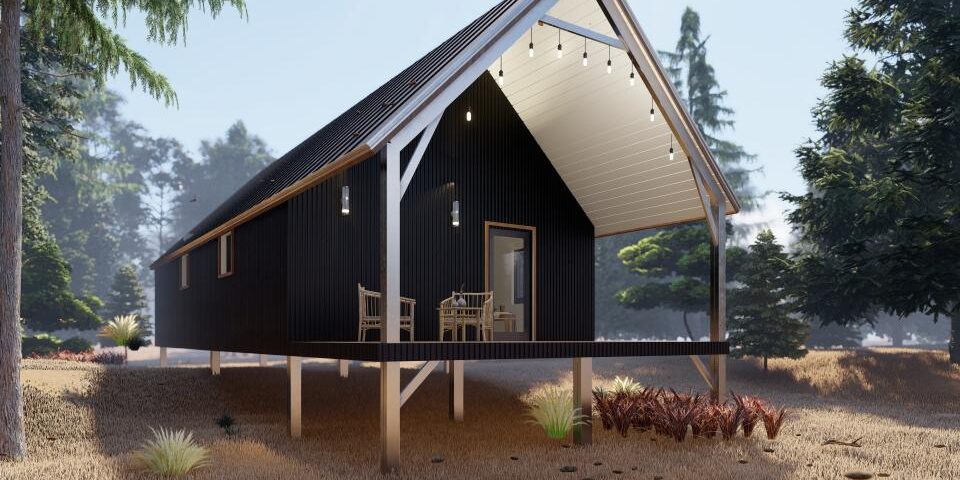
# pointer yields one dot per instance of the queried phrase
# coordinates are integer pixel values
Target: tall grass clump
(625, 386)
(552, 409)
(124, 330)
(172, 453)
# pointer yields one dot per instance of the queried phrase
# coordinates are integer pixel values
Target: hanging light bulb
(559, 45)
(633, 81)
(345, 200)
(530, 50)
(609, 63)
(653, 115)
(671, 148)
(455, 214)
(500, 75)
(469, 115)
(585, 52)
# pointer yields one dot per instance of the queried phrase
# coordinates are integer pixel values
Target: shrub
(40, 344)
(122, 330)
(552, 409)
(675, 414)
(172, 453)
(228, 424)
(773, 420)
(136, 343)
(750, 409)
(617, 410)
(76, 345)
(625, 386)
(728, 419)
(705, 422)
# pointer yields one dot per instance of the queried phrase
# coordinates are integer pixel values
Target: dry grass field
(85, 421)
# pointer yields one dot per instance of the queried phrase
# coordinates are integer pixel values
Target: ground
(84, 421)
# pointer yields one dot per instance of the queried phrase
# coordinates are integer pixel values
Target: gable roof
(403, 104)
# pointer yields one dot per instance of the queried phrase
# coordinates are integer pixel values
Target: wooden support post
(389, 417)
(163, 356)
(344, 367)
(263, 360)
(390, 243)
(294, 370)
(215, 362)
(456, 390)
(718, 298)
(583, 399)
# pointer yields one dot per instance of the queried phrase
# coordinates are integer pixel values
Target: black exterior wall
(244, 312)
(298, 265)
(498, 172)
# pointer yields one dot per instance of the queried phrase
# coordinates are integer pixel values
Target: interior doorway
(510, 273)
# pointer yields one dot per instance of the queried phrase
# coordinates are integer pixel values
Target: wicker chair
(451, 319)
(369, 313)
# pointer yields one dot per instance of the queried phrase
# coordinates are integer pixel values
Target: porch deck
(428, 351)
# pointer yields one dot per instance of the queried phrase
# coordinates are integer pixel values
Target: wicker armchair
(452, 318)
(369, 313)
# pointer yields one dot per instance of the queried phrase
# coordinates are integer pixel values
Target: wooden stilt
(163, 356)
(294, 369)
(215, 362)
(456, 390)
(389, 417)
(344, 367)
(583, 399)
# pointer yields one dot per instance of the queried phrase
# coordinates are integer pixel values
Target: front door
(510, 273)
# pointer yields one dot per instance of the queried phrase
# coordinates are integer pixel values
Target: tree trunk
(686, 325)
(764, 365)
(12, 438)
(955, 339)
(898, 334)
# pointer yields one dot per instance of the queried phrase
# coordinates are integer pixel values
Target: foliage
(729, 419)
(675, 264)
(225, 165)
(773, 420)
(833, 335)
(47, 303)
(625, 386)
(46, 344)
(136, 343)
(124, 330)
(880, 221)
(172, 453)
(751, 409)
(76, 345)
(763, 322)
(228, 424)
(106, 358)
(552, 409)
(126, 297)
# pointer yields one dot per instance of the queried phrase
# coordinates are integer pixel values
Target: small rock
(597, 464)
(809, 464)
(634, 468)
(797, 435)
(436, 459)
(883, 475)
(568, 469)
(618, 472)
(768, 450)
(658, 477)
(514, 458)
(858, 475)
(742, 461)
(565, 445)
(939, 445)
(51, 438)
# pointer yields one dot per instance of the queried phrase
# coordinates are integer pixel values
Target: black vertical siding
(245, 312)
(495, 168)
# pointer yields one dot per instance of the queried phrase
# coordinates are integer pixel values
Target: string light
(500, 76)
(530, 51)
(559, 45)
(585, 52)
(671, 148)
(469, 115)
(633, 80)
(653, 115)
(609, 63)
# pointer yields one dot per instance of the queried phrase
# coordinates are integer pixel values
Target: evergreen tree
(126, 297)
(225, 164)
(674, 262)
(881, 216)
(763, 320)
(832, 335)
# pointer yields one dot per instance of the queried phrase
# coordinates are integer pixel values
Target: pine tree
(763, 321)
(126, 297)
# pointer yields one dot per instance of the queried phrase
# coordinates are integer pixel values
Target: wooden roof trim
(347, 160)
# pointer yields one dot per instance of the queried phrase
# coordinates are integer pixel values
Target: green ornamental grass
(552, 409)
(172, 453)
(123, 329)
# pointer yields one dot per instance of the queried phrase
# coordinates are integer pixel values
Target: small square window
(184, 271)
(225, 255)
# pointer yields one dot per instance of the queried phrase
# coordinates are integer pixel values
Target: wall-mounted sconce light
(455, 213)
(345, 200)
(469, 115)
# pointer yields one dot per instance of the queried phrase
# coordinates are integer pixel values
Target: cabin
(451, 214)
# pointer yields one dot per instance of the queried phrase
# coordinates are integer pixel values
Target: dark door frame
(487, 225)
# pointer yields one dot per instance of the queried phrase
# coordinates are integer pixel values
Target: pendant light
(469, 115)
(633, 80)
(345, 200)
(585, 61)
(671, 147)
(653, 115)
(530, 50)
(559, 45)
(500, 75)
(609, 63)
(455, 214)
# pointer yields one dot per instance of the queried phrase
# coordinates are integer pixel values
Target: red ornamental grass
(773, 420)
(676, 413)
(728, 419)
(750, 412)
(616, 410)
(705, 423)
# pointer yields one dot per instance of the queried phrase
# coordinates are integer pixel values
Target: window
(184, 271)
(225, 254)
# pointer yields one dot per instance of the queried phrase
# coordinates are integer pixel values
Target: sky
(290, 67)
